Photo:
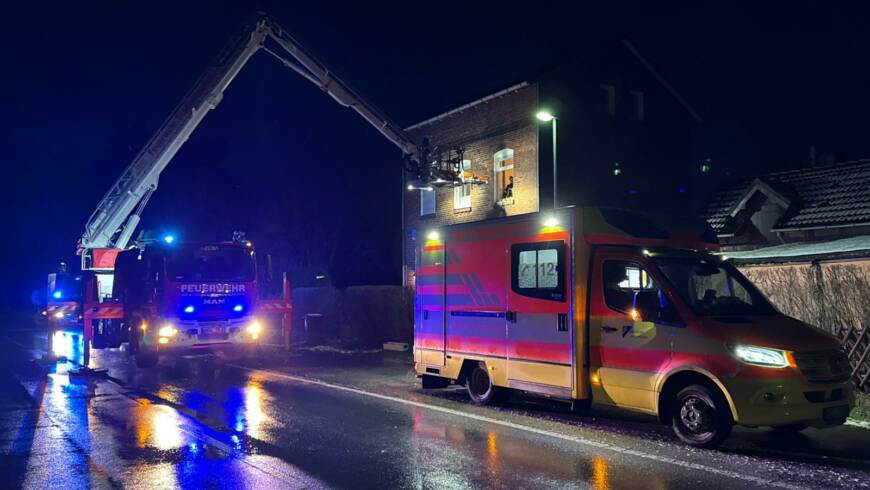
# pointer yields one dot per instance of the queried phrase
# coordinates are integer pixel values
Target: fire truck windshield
(210, 263)
(713, 288)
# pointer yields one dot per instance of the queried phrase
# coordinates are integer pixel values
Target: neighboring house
(803, 237)
(813, 204)
(624, 139)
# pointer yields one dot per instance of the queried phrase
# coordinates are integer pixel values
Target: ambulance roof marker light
(169, 239)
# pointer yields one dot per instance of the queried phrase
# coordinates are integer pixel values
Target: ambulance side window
(538, 270)
(629, 289)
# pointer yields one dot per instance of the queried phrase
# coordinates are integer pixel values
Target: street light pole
(546, 116)
(555, 167)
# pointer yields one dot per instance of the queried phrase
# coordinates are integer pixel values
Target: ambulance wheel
(700, 417)
(480, 387)
(146, 358)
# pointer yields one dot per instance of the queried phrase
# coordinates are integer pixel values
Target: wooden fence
(856, 342)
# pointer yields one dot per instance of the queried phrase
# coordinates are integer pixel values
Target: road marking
(504, 423)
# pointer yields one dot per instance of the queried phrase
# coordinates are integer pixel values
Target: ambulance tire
(146, 358)
(701, 417)
(480, 387)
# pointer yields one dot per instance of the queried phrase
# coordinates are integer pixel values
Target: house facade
(623, 139)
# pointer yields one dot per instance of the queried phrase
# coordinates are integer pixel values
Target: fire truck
(110, 228)
(620, 309)
(63, 308)
(181, 297)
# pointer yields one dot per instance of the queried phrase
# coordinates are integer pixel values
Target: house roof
(827, 196)
(500, 93)
(858, 246)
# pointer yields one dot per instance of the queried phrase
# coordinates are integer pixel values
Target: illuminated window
(503, 164)
(427, 202)
(536, 270)
(462, 193)
(629, 289)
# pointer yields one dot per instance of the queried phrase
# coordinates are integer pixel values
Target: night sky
(85, 84)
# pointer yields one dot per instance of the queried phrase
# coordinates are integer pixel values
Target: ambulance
(606, 306)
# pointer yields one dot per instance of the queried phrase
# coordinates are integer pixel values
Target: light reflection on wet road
(217, 426)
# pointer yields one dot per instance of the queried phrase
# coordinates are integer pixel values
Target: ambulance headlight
(58, 315)
(167, 331)
(761, 356)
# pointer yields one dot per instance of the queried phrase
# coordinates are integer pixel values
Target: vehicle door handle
(510, 316)
(608, 329)
(562, 322)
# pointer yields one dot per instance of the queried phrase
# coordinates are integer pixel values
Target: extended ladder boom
(118, 213)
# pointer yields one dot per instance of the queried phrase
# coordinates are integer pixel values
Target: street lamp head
(544, 116)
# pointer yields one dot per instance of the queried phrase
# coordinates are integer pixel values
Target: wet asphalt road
(312, 421)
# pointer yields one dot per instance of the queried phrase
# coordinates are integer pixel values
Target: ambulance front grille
(825, 366)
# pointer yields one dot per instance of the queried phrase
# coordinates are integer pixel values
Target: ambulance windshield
(713, 288)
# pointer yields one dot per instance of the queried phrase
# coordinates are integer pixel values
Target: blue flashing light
(57, 294)
(189, 309)
(169, 239)
(238, 308)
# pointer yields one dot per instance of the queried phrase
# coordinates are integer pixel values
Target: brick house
(624, 139)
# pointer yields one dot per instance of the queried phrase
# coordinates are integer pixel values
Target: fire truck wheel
(480, 387)
(146, 358)
(99, 339)
(700, 417)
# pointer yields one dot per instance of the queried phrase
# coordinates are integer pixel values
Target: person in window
(508, 189)
(616, 297)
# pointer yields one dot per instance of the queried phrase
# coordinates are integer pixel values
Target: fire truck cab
(620, 309)
(180, 297)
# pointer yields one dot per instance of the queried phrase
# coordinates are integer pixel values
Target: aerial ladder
(110, 228)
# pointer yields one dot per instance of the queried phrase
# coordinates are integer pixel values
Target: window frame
(498, 158)
(560, 291)
(462, 193)
(680, 323)
(434, 209)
